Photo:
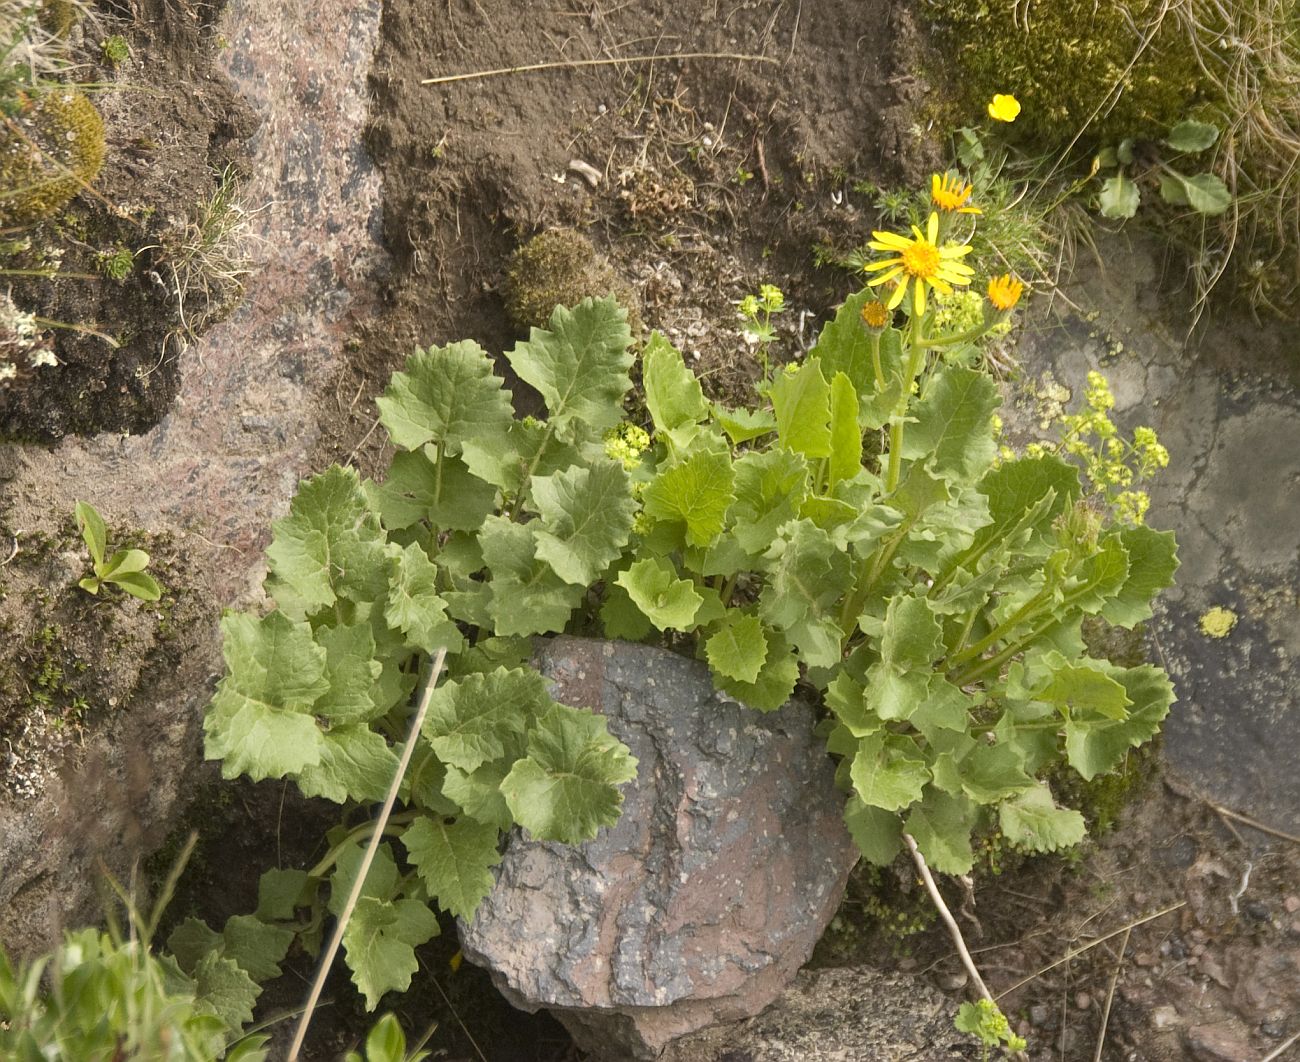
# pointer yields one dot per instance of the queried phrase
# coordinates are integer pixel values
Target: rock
(846, 1015)
(1224, 1041)
(702, 903)
(1165, 1017)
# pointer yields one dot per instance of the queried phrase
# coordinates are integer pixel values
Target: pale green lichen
(1218, 622)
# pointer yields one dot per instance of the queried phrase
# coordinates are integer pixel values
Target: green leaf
(944, 707)
(1205, 193)
(952, 430)
(455, 860)
(355, 764)
(1099, 578)
(566, 789)
(191, 940)
(801, 402)
(672, 393)
(279, 893)
(470, 721)
(1032, 821)
(669, 602)
(478, 793)
(1119, 197)
(844, 345)
(770, 487)
(738, 648)
(380, 942)
(941, 826)
(744, 425)
(697, 493)
(223, 989)
(913, 635)
(380, 884)
(877, 833)
(990, 773)
(803, 592)
(586, 519)
(1017, 490)
(1152, 562)
(1095, 744)
(93, 531)
(619, 615)
(386, 1042)
(137, 584)
(775, 681)
(527, 447)
(260, 722)
(579, 366)
(258, 948)
(885, 773)
(845, 696)
(446, 395)
(413, 605)
(330, 546)
(527, 596)
(1192, 136)
(413, 491)
(846, 435)
(124, 562)
(1071, 687)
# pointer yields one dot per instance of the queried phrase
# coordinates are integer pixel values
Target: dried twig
(337, 938)
(574, 63)
(1281, 1049)
(1110, 996)
(953, 930)
(1254, 824)
(1087, 947)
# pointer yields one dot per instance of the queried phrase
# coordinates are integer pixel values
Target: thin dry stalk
(575, 63)
(953, 929)
(1110, 996)
(381, 823)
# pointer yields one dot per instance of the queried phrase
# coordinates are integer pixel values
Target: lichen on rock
(49, 151)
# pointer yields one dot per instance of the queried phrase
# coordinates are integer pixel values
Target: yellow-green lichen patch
(49, 151)
(1218, 622)
(561, 267)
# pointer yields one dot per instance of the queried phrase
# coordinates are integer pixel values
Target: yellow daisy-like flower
(920, 262)
(1004, 108)
(875, 315)
(1005, 292)
(950, 194)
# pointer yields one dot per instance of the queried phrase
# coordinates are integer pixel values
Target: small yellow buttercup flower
(920, 262)
(1004, 292)
(1004, 108)
(875, 315)
(949, 194)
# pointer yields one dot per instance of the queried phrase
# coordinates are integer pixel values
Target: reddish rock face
(703, 902)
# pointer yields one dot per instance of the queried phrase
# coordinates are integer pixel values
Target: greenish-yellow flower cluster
(626, 444)
(1114, 465)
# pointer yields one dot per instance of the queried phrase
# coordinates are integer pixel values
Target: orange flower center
(921, 260)
(874, 314)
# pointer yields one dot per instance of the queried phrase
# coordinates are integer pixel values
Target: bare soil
(172, 125)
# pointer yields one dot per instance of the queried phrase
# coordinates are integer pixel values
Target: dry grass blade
(1110, 996)
(1074, 952)
(336, 939)
(575, 63)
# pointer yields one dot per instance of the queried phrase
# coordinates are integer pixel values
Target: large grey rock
(855, 1014)
(703, 902)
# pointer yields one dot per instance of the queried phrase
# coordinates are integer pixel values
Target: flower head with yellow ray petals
(949, 194)
(920, 262)
(1004, 292)
(1004, 108)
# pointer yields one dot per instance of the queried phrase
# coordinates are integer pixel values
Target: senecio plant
(930, 598)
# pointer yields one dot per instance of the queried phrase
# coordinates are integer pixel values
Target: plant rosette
(933, 598)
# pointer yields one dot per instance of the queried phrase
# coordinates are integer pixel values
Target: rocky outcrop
(703, 902)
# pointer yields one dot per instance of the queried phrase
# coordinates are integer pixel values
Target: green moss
(59, 17)
(53, 147)
(1065, 61)
(560, 267)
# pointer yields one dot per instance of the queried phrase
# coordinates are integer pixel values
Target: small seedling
(124, 569)
(115, 264)
(115, 50)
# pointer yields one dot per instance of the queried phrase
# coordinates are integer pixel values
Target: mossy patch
(1072, 62)
(50, 150)
(561, 267)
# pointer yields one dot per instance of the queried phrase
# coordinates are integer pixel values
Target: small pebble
(1038, 1014)
(1082, 1000)
(1164, 1017)
(953, 981)
(1292, 904)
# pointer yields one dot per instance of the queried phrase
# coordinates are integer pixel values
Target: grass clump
(561, 267)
